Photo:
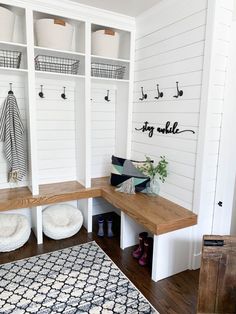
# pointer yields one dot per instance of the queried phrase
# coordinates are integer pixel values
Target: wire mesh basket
(56, 64)
(107, 70)
(10, 59)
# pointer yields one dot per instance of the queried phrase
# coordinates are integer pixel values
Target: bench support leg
(155, 259)
(85, 205)
(129, 231)
(37, 223)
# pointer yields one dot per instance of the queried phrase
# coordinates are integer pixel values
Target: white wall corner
(201, 205)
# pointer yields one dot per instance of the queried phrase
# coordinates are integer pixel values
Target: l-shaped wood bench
(156, 214)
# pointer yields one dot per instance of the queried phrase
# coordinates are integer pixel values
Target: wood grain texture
(154, 212)
(217, 284)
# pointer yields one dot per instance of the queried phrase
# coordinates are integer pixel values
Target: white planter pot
(51, 34)
(7, 20)
(105, 44)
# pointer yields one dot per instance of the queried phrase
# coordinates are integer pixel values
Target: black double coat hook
(179, 92)
(159, 94)
(10, 91)
(144, 96)
(63, 95)
(107, 96)
(41, 94)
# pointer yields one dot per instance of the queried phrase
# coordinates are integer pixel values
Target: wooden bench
(154, 213)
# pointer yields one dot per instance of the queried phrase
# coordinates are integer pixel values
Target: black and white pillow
(125, 169)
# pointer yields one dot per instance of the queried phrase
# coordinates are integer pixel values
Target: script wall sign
(173, 129)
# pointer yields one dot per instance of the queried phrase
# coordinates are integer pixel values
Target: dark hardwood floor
(174, 295)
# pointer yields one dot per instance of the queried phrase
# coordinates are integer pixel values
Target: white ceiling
(127, 7)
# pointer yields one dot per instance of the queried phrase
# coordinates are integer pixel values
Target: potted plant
(156, 173)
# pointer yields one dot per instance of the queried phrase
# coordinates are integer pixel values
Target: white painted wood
(211, 94)
(37, 223)
(56, 127)
(130, 95)
(101, 206)
(155, 271)
(103, 133)
(129, 231)
(225, 186)
(169, 253)
(31, 112)
(85, 205)
(87, 160)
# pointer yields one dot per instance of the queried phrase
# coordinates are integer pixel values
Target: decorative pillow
(124, 169)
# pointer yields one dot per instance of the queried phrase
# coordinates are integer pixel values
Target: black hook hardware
(159, 94)
(63, 95)
(144, 96)
(107, 96)
(41, 95)
(10, 91)
(179, 92)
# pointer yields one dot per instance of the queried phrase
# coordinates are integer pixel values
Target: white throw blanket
(11, 133)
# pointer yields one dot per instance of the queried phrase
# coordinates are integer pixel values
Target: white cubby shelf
(66, 138)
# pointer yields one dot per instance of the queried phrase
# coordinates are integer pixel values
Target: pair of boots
(101, 232)
(144, 251)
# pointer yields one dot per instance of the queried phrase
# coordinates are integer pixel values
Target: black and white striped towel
(11, 133)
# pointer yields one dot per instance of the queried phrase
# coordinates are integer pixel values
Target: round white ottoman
(61, 221)
(14, 231)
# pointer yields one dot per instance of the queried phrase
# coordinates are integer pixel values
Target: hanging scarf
(11, 133)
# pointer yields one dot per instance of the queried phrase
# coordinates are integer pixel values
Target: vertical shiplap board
(169, 48)
(212, 108)
(56, 132)
(103, 132)
(222, 53)
(19, 92)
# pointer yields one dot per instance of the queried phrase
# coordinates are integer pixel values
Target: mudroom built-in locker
(121, 111)
(76, 115)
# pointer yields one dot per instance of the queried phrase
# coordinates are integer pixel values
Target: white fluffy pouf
(61, 221)
(14, 231)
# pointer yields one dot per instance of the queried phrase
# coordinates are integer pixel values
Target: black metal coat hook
(10, 92)
(179, 92)
(107, 96)
(159, 94)
(144, 96)
(41, 95)
(63, 95)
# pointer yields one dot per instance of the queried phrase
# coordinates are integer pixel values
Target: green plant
(161, 168)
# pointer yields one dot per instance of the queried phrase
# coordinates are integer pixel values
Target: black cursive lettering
(168, 129)
(146, 128)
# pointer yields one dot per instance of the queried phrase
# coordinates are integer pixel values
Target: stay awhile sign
(173, 129)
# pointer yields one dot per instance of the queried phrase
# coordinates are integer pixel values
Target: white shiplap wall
(219, 69)
(56, 132)
(103, 128)
(212, 109)
(169, 48)
(19, 92)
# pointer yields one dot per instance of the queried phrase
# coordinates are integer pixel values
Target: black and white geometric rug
(81, 279)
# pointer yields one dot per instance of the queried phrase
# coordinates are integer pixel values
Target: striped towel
(11, 133)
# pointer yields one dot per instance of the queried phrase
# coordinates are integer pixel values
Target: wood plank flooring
(174, 295)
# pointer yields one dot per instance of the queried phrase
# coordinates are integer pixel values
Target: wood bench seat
(156, 213)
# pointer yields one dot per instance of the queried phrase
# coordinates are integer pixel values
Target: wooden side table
(217, 283)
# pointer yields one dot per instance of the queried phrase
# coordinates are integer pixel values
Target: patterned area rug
(81, 279)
